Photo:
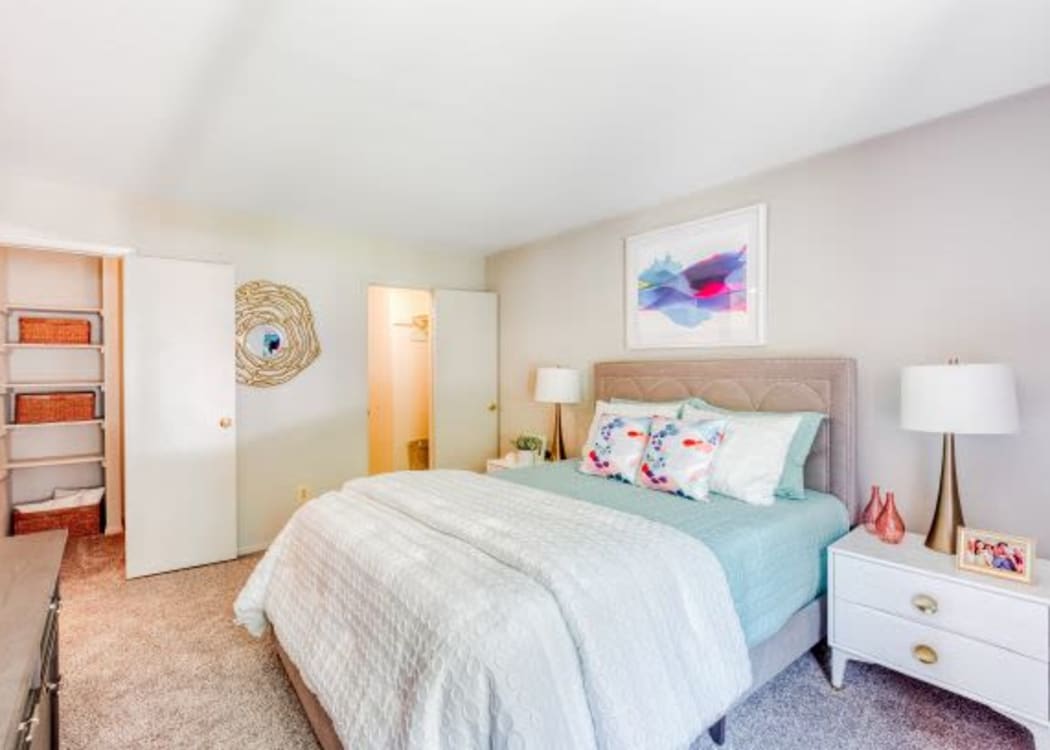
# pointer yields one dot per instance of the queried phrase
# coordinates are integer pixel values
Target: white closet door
(465, 418)
(179, 397)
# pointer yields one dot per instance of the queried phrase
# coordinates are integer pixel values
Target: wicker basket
(34, 408)
(83, 521)
(54, 331)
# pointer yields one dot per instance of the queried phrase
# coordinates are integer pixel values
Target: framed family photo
(699, 284)
(996, 554)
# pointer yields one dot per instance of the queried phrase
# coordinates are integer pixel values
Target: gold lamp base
(948, 516)
(557, 441)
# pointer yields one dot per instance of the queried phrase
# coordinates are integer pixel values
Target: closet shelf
(33, 463)
(54, 384)
(15, 426)
(71, 309)
(19, 345)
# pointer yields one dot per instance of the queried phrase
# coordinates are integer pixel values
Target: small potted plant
(528, 446)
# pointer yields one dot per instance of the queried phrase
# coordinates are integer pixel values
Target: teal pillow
(792, 481)
(680, 402)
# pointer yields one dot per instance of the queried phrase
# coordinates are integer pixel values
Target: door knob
(492, 406)
(226, 423)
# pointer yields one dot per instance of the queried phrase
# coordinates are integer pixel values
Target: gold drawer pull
(925, 654)
(925, 604)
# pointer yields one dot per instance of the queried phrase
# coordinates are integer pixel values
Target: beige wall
(313, 429)
(907, 249)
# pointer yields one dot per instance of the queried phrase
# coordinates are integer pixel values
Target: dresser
(29, 606)
(909, 608)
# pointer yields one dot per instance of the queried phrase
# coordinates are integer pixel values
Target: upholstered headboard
(824, 385)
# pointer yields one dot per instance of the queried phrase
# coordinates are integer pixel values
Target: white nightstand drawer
(986, 672)
(1017, 624)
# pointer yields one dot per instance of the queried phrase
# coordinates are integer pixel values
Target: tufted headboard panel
(824, 385)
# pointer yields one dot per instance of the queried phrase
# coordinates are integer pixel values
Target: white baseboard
(251, 549)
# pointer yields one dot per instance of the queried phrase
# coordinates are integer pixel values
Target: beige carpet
(157, 662)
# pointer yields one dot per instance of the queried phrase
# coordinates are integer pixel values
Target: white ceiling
(477, 124)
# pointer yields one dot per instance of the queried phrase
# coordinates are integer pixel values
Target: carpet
(158, 663)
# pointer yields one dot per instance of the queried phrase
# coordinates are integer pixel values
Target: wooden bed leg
(718, 732)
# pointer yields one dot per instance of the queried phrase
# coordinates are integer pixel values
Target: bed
(778, 597)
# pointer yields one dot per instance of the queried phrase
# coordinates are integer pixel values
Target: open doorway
(399, 379)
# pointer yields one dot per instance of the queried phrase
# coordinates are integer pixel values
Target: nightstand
(909, 609)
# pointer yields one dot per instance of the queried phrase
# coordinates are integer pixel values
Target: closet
(432, 379)
(117, 374)
(398, 379)
(60, 373)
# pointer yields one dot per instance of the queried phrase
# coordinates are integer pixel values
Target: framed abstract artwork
(698, 284)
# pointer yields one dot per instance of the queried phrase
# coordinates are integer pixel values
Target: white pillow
(680, 402)
(750, 460)
(63, 499)
(79, 497)
(669, 409)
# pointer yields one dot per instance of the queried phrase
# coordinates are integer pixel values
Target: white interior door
(465, 419)
(179, 396)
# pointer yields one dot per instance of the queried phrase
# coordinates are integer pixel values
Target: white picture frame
(699, 284)
(541, 454)
(1021, 550)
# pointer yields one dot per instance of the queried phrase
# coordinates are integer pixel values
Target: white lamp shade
(975, 399)
(557, 385)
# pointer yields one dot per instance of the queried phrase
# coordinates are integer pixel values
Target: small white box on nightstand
(910, 609)
(494, 465)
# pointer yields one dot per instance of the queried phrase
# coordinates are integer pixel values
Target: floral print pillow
(617, 448)
(679, 455)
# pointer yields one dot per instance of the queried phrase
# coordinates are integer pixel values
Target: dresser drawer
(35, 730)
(986, 672)
(1017, 624)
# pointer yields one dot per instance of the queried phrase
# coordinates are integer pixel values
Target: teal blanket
(774, 557)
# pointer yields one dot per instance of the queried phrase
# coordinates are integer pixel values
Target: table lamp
(956, 399)
(557, 385)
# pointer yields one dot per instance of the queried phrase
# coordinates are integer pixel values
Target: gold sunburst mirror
(276, 339)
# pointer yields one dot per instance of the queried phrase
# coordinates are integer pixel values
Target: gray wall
(908, 249)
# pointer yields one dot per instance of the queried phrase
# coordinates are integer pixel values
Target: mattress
(774, 557)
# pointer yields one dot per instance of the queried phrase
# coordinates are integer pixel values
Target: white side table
(910, 609)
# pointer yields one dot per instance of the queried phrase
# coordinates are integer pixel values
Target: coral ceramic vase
(889, 525)
(872, 510)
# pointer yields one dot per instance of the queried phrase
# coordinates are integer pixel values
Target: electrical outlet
(303, 493)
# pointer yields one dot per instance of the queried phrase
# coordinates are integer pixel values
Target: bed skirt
(803, 631)
(315, 713)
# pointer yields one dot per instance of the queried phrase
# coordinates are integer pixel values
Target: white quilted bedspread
(448, 609)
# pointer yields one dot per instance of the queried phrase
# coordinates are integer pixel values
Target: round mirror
(276, 339)
(265, 341)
